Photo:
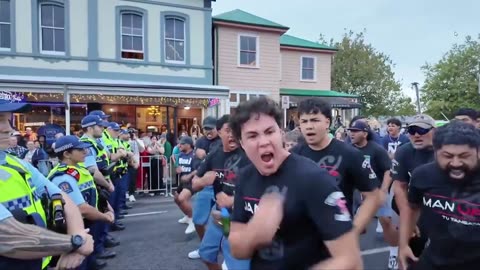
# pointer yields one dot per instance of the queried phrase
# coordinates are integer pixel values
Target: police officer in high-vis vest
(97, 162)
(25, 242)
(129, 161)
(117, 154)
(76, 181)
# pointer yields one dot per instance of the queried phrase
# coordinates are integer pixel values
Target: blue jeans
(202, 205)
(213, 241)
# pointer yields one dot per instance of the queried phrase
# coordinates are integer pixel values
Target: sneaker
(392, 259)
(191, 227)
(224, 266)
(183, 220)
(194, 255)
(379, 227)
(131, 198)
(126, 195)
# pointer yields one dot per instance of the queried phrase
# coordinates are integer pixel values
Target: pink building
(254, 56)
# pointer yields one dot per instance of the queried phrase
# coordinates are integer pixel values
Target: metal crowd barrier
(156, 175)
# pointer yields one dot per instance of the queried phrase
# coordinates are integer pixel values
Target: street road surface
(153, 240)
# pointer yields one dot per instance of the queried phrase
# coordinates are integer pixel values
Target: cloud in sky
(412, 32)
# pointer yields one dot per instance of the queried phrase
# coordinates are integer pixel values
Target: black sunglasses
(418, 130)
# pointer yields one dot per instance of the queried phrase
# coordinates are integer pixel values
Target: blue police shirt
(91, 158)
(68, 184)
(38, 181)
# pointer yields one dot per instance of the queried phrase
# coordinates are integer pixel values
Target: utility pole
(417, 92)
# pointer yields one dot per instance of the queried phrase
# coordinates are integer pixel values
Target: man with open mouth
(288, 213)
(341, 160)
(446, 194)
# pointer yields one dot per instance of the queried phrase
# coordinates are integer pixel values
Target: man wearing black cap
(24, 239)
(210, 141)
(376, 160)
(185, 170)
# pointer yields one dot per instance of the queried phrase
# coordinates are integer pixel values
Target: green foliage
(452, 83)
(358, 68)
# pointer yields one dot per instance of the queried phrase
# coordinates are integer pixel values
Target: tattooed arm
(24, 241)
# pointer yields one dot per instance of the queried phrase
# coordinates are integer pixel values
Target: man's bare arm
(371, 204)
(345, 254)
(24, 241)
(400, 189)
(200, 182)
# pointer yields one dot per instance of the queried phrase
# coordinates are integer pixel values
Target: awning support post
(66, 100)
(284, 118)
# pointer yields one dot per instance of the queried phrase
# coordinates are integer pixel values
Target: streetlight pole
(417, 92)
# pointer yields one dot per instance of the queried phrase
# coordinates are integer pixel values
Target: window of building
(132, 39)
(308, 69)
(52, 28)
(248, 51)
(175, 39)
(5, 24)
(237, 97)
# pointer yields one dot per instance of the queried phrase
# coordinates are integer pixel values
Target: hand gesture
(223, 200)
(268, 216)
(69, 261)
(111, 187)
(404, 255)
(110, 217)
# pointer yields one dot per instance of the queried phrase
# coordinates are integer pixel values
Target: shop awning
(109, 87)
(335, 98)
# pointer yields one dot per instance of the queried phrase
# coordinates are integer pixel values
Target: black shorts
(185, 185)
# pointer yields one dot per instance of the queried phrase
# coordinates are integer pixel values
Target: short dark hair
(471, 113)
(222, 121)
(315, 105)
(257, 106)
(394, 121)
(456, 133)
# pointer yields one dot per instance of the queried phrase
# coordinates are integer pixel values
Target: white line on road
(375, 251)
(146, 214)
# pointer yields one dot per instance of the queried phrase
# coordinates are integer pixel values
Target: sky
(411, 32)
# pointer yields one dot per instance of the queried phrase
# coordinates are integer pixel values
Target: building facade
(254, 56)
(146, 62)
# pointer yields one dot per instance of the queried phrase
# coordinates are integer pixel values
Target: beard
(467, 173)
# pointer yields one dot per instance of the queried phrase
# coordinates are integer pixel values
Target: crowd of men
(294, 208)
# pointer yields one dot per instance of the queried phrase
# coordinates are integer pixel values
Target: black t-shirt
(451, 214)
(186, 162)
(376, 158)
(345, 163)
(208, 145)
(408, 159)
(226, 166)
(315, 211)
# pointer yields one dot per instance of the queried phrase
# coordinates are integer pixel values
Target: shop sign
(12, 96)
(285, 102)
(213, 102)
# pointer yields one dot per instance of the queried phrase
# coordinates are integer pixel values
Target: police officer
(117, 154)
(24, 239)
(78, 183)
(97, 162)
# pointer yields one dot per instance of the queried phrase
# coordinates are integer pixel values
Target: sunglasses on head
(418, 130)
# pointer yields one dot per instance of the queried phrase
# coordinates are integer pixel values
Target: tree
(452, 83)
(360, 69)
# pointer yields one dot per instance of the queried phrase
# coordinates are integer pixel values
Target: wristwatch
(77, 241)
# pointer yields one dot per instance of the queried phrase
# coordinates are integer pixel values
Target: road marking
(375, 251)
(146, 214)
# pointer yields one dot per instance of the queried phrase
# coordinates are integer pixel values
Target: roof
(241, 17)
(314, 93)
(291, 41)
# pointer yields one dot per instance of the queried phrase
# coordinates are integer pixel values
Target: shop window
(233, 97)
(243, 97)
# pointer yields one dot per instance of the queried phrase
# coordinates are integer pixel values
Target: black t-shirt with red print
(226, 166)
(315, 211)
(451, 218)
(345, 163)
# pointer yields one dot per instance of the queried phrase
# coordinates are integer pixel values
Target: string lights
(126, 100)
